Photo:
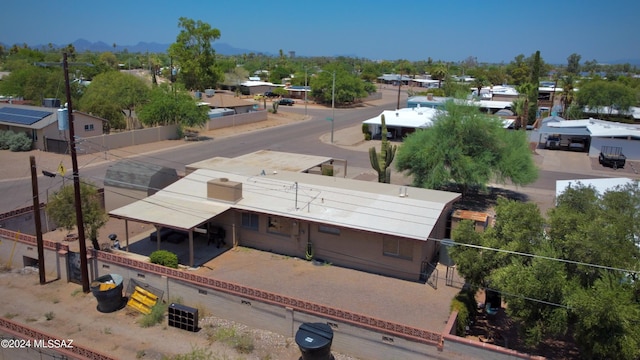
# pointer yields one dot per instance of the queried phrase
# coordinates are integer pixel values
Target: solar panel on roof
(22, 116)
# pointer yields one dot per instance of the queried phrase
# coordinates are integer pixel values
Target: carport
(557, 133)
(180, 206)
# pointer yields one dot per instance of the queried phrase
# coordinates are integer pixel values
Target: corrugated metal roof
(348, 203)
(417, 117)
(267, 160)
(139, 176)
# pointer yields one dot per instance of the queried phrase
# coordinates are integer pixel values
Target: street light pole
(333, 105)
(76, 183)
(305, 92)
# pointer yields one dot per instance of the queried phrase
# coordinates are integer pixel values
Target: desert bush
(5, 137)
(242, 342)
(155, 317)
(20, 142)
(165, 258)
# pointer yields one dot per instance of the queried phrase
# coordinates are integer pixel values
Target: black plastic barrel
(314, 341)
(109, 300)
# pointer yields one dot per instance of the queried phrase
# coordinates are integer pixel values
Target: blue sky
(451, 30)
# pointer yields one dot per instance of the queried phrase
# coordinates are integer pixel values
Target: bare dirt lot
(62, 310)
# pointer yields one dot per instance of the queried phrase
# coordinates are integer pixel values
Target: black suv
(271, 94)
(286, 101)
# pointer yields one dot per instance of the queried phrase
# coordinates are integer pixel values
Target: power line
(574, 262)
(281, 186)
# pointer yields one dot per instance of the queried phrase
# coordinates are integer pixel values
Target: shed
(128, 181)
(480, 219)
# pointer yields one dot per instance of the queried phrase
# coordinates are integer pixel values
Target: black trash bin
(314, 341)
(107, 290)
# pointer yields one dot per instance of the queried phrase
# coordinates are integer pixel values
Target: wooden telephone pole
(36, 217)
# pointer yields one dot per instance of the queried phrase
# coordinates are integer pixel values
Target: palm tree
(439, 72)
(525, 90)
(568, 95)
(518, 107)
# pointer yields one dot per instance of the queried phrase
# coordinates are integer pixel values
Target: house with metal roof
(47, 127)
(401, 122)
(369, 226)
(252, 87)
(595, 134)
(222, 101)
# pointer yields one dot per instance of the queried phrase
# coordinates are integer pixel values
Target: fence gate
(56, 146)
(429, 273)
(73, 267)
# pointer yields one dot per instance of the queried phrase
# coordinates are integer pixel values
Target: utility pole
(305, 92)
(399, 86)
(333, 105)
(76, 182)
(36, 216)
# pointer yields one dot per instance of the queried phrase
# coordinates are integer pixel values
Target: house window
(88, 127)
(250, 221)
(328, 229)
(279, 225)
(396, 247)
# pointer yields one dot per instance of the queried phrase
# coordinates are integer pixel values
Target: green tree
(592, 228)
(527, 92)
(563, 284)
(349, 87)
(194, 55)
(234, 77)
(109, 59)
(61, 208)
(439, 72)
(573, 64)
(536, 70)
(519, 70)
(518, 106)
(111, 94)
(607, 314)
(382, 163)
(568, 94)
(602, 97)
(468, 148)
(172, 106)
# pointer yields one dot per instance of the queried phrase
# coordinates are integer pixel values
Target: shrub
(155, 317)
(466, 305)
(275, 107)
(5, 137)
(20, 142)
(165, 258)
(242, 342)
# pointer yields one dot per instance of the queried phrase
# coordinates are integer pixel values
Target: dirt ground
(61, 309)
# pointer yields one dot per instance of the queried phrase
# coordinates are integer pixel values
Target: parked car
(271, 94)
(286, 101)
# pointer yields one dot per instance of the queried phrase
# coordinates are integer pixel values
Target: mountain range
(82, 45)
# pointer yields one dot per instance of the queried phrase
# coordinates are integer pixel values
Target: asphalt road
(301, 137)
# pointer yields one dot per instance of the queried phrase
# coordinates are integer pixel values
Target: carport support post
(190, 247)
(158, 239)
(126, 232)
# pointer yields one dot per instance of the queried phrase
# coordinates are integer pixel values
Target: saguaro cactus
(382, 163)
